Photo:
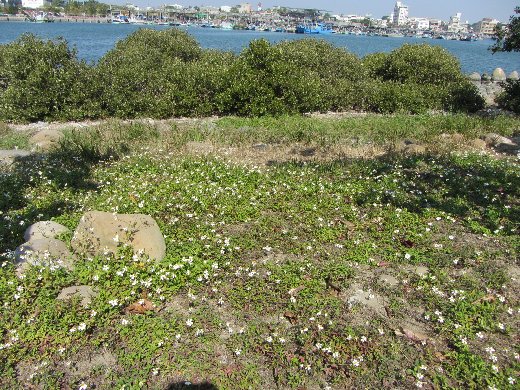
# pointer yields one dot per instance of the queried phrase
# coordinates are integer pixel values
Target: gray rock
(7, 157)
(474, 77)
(46, 139)
(99, 231)
(513, 76)
(47, 252)
(44, 229)
(493, 139)
(499, 75)
(485, 77)
(86, 293)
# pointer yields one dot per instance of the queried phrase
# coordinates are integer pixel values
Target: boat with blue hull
(314, 28)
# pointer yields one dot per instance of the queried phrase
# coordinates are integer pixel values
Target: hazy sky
(472, 10)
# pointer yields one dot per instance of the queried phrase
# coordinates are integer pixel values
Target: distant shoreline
(64, 19)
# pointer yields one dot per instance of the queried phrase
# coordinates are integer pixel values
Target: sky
(472, 10)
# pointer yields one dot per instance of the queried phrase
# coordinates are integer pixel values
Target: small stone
(499, 75)
(485, 78)
(513, 76)
(44, 229)
(475, 77)
(86, 293)
(47, 252)
(493, 139)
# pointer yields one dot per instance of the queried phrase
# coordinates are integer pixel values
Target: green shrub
(421, 64)
(510, 98)
(374, 64)
(263, 82)
(143, 69)
(41, 80)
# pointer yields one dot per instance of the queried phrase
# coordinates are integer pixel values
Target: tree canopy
(508, 38)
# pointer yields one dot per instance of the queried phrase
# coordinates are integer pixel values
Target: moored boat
(314, 28)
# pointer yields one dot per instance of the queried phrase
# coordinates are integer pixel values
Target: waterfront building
(455, 24)
(400, 15)
(435, 24)
(486, 26)
(225, 8)
(420, 23)
(34, 4)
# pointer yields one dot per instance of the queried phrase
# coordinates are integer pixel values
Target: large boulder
(499, 75)
(513, 76)
(47, 252)
(46, 139)
(99, 231)
(44, 229)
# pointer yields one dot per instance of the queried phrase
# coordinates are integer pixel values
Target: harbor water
(93, 40)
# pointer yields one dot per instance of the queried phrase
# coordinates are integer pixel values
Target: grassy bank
(301, 253)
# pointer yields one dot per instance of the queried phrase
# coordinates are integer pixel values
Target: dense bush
(510, 98)
(165, 73)
(42, 80)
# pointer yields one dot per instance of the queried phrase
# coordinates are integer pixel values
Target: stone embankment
(490, 86)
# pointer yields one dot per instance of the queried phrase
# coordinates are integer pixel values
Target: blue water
(92, 41)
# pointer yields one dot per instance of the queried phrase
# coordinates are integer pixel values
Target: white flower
(113, 302)
(237, 352)
(83, 386)
(189, 322)
(407, 256)
(124, 321)
(511, 380)
(82, 326)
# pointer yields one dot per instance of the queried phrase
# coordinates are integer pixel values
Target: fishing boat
(119, 19)
(314, 28)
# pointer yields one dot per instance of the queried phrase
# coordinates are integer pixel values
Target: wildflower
(124, 321)
(355, 362)
(407, 256)
(83, 386)
(113, 302)
(82, 326)
(511, 380)
(238, 352)
(189, 322)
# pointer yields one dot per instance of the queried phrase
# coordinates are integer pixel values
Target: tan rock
(100, 231)
(44, 229)
(499, 75)
(46, 139)
(86, 293)
(47, 252)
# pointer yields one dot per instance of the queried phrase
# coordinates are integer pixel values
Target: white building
(34, 3)
(225, 8)
(420, 23)
(455, 25)
(400, 14)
